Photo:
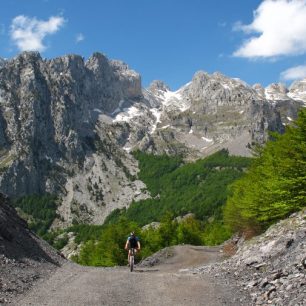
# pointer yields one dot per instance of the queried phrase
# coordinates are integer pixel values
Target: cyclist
(132, 242)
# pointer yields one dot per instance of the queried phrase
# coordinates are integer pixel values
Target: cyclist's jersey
(133, 241)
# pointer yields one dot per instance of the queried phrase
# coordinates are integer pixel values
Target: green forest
(274, 186)
(199, 187)
(39, 211)
(195, 190)
(107, 248)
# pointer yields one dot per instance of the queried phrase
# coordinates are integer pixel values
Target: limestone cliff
(68, 125)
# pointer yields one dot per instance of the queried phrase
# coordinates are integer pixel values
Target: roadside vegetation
(107, 248)
(274, 186)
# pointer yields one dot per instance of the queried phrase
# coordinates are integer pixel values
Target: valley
(89, 155)
(68, 126)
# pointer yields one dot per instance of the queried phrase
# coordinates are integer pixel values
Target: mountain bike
(132, 259)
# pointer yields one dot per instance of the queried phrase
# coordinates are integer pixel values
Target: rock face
(52, 139)
(297, 90)
(271, 267)
(276, 91)
(24, 257)
(209, 113)
(67, 127)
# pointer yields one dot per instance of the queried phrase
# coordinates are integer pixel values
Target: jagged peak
(297, 84)
(28, 56)
(276, 91)
(257, 86)
(68, 59)
(226, 79)
(297, 90)
(278, 87)
(158, 85)
(219, 75)
(259, 90)
(120, 65)
(123, 68)
(201, 75)
(97, 59)
(99, 56)
(202, 78)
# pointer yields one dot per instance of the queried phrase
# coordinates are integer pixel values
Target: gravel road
(167, 283)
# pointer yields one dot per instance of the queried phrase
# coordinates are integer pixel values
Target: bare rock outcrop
(24, 258)
(53, 138)
(271, 267)
(212, 112)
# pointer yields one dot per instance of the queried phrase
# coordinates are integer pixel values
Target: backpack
(133, 242)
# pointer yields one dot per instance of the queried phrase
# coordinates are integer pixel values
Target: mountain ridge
(67, 127)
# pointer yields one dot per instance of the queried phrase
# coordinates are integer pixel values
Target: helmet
(132, 233)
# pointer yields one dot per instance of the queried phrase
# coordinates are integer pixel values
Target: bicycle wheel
(131, 263)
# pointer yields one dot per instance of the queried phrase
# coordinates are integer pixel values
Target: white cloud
(28, 33)
(294, 73)
(80, 37)
(278, 28)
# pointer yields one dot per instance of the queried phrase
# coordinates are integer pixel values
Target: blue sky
(257, 41)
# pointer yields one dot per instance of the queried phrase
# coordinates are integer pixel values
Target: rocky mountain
(68, 125)
(297, 90)
(209, 113)
(2, 61)
(52, 138)
(24, 257)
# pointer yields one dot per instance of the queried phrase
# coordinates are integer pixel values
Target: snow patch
(118, 109)
(174, 99)
(207, 139)
(275, 96)
(127, 149)
(185, 86)
(169, 95)
(299, 96)
(226, 86)
(156, 113)
(127, 114)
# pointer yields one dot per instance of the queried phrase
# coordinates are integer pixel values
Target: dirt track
(165, 284)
